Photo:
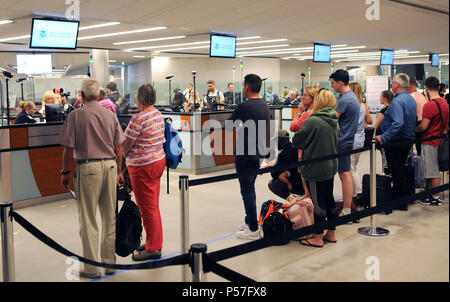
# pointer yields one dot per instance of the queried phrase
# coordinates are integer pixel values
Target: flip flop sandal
(310, 244)
(326, 240)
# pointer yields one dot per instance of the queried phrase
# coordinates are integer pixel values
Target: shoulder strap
(440, 114)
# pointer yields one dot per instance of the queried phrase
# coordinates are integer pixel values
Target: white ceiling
(300, 21)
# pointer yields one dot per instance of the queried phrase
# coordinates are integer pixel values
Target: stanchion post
(7, 242)
(197, 252)
(184, 223)
(372, 230)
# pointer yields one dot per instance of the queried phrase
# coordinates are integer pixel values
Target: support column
(100, 66)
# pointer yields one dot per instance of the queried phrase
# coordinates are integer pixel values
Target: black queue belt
(210, 259)
(214, 179)
(29, 148)
(178, 260)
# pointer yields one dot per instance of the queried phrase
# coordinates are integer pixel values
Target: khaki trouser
(95, 185)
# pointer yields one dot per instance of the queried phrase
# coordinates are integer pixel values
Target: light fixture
(122, 33)
(248, 38)
(99, 25)
(166, 46)
(15, 38)
(185, 48)
(259, 47)
(258, 42)
(5, 22)
(149, 40)
(138, 56)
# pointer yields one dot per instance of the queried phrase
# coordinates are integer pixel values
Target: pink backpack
(300, 212)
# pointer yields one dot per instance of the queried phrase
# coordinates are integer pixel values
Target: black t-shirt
(114, 97)
(24, 118)
(288, 156)
(229, 97)
(254, 142)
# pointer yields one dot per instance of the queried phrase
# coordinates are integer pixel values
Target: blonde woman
(303, 113)
(318, 137)
(27, 113)
(189, 105)
(285, 94)
(364, 117)
(48, 98)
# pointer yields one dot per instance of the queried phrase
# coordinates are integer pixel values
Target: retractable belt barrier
(208, 180)
(210, 259)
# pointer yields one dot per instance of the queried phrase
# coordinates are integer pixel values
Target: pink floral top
(147, 129)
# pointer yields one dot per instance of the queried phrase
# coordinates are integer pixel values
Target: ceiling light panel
(150, 40)
(122, 33)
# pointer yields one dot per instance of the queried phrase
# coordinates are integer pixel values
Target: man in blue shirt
(398, 127)
(347, 111)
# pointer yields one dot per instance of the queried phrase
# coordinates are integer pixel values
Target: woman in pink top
(303, 113)
(145, 159)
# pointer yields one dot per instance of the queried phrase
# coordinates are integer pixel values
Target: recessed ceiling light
(248, 38)
(14, 38)
(149, 40)
(171, 45)
(99, 25)
(5, 22)
(123, 33)
(138, 56)
(266, 46)
(264, 41)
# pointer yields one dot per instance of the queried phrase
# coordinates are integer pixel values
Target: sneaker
(243, 226)
(344, 214)
(435, 201)
(426, 201)
(247, 234)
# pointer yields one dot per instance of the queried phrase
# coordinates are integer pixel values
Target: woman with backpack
(318, 138)
(146, 160)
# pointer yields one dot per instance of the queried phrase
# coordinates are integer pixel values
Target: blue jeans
(247, 171)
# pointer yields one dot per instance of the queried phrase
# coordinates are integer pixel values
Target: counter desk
(31, 159)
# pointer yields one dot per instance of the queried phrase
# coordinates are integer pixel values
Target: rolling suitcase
(419, 180)
(384, 191)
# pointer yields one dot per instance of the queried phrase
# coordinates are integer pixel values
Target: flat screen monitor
(434, 59)
(387, 57)
(34, 64)
(322, 53)
(57, 34)
(53, 113)
(222, 46)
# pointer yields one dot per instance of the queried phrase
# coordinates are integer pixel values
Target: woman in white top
(364, 116)
(48, 98)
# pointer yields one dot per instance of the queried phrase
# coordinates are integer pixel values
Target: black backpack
(128, 224)
(274, 226)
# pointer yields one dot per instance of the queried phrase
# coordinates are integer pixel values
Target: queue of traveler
(323, 126)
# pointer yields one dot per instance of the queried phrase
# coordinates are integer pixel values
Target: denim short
(344, 162)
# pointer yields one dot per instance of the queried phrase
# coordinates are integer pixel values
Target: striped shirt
(147, 130)
(108, 104)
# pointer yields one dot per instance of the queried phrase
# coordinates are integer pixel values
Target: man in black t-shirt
(250, 146)
(229, 95)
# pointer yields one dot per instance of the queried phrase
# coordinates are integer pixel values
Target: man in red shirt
(434, 123)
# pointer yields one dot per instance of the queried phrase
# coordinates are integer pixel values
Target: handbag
(443, 151)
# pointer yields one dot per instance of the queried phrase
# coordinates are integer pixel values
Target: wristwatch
(65, 172)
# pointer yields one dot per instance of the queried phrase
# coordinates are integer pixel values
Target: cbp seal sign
(43, 33)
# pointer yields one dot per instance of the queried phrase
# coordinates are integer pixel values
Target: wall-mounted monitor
(34, 64)
(322, 53)
(222, 46)
(56, 34)
(434, 59)
(387, 57)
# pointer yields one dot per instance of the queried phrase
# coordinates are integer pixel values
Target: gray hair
(402, 79)
(90, 89)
